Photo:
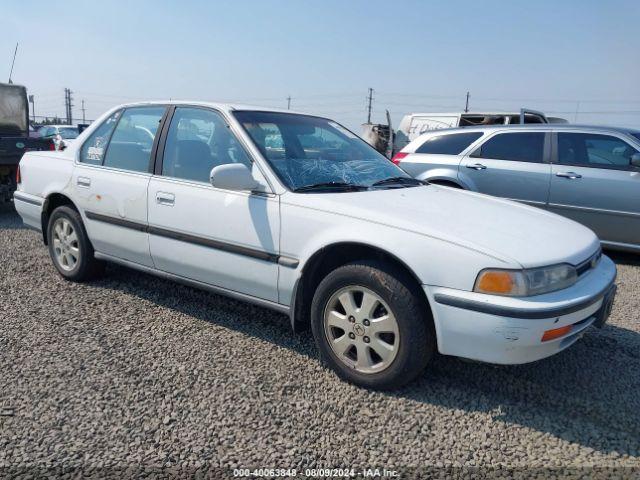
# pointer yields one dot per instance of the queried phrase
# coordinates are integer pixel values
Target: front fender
(447, 175)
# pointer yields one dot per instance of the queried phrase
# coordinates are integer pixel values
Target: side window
(594, 150)
(132, 140)
(452, 144)
(520, 147)
(92, 151)
(199, 140)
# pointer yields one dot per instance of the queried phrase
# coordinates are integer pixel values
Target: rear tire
(69, 246)
(372, 326)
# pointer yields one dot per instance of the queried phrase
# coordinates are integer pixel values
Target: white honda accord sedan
(294, 212)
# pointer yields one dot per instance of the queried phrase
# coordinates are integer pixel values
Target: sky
(576, 59)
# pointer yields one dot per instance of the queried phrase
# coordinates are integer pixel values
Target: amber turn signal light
(495, 282)
(556, 333)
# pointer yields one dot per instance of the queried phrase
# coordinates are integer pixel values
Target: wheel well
(328, 259)
(446, 183)
(52, 202)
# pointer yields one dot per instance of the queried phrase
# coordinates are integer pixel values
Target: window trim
(158, 161)
(555, 158)
(546, 147)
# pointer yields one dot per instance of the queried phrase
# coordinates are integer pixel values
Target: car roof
(535, 126)
(217, 105)
(462, 112)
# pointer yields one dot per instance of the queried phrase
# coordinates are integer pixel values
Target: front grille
(589, 263)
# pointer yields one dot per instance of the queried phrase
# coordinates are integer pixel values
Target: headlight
(525, 283)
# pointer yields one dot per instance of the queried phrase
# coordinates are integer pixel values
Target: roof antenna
(13, 62)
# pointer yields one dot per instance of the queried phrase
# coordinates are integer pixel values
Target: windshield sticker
(95, 153)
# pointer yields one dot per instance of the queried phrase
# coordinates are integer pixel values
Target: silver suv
(590, 174)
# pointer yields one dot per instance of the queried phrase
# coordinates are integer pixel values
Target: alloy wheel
(66, 247)
(361, 329)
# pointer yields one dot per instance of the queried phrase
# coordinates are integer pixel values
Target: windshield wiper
(399, 181)
(340, 186)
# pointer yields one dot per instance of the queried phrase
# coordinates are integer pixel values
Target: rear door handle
(569, 175)
(477, 166)
(83, 182)
(165, 198)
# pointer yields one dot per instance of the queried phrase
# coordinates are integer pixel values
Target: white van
(415, 124)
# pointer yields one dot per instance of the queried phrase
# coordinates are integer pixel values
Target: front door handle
(83, 182)
(569, 175)
(165, 198)
(477, 166)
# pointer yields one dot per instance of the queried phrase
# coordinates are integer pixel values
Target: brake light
(397, 158)
(18, 177)
(52, 145)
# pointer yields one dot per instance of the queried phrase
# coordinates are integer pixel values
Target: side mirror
(635, 160)
(232, 176)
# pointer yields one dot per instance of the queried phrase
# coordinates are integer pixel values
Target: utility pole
(68, 104)
(370, 100)
(466, 107)
(289, 102)
(83, 117)
(33, 107)
(13, 62)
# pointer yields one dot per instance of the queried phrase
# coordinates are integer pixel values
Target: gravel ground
(136, 372)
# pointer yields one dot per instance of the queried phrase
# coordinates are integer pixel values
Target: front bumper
(508, 330)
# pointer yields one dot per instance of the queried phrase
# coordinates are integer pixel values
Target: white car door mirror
(635, 160)
(233, 176)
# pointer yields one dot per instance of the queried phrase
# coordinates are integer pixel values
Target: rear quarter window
(451, 144)
(93, 148)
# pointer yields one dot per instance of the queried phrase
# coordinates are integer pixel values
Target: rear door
(594, 183)
(110, 182)
(438, 157)
(513, 165)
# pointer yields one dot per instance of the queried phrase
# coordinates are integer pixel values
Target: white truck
(415, 124)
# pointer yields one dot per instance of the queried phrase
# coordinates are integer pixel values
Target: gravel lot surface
(136, 372)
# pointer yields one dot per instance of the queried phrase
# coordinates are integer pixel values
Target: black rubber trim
(32, 201)
(205, 242)
(523, 313)
(215, 244)
(116, 221)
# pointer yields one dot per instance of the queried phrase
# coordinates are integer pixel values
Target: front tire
(372, 326)
(69, 247)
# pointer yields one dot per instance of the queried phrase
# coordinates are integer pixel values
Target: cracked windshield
(315, 153)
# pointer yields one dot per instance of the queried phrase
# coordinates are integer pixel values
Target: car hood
(506, 230)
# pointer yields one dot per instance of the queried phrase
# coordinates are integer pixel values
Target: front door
(594, 183)
(111, 179)
(512, 165)
(228, 239)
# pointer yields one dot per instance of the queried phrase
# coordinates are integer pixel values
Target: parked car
(62, 135)
(415, 124)
(296, 213)
(586, 173)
